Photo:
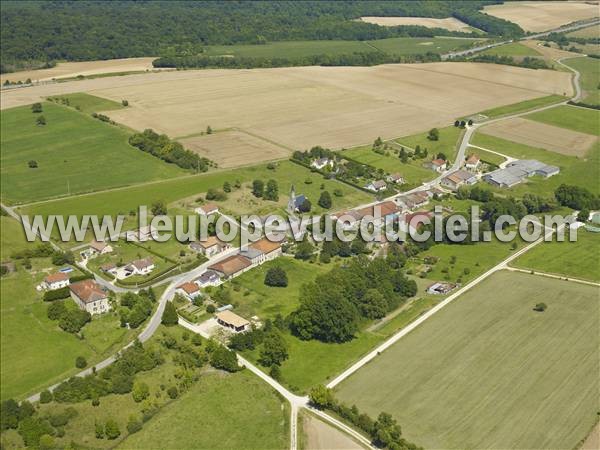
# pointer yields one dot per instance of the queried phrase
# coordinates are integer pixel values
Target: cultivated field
(579, 259)
(319, 435)
(86, 68)
(541, 135)
(330, 106)
(542, 16)
(234, 148)
(504, 377)
(449, 23)
(589, 32)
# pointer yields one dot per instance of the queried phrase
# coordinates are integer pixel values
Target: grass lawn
(124, 200)
(300, 49)
(523, 106)
(256, 298)
(74, 153)
(580, 172)
(233, 411)
(447, 143)
(489, 372)
(87, 103)
(512, 49)
(590, 78)
(488, 157)
(584, 120)
(579, 259)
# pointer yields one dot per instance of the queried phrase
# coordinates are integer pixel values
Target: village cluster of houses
(248, 257)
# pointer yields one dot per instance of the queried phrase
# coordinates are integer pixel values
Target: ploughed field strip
(448, 23)
(541, 135)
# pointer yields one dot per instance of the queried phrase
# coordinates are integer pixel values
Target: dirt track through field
(73, 69)
(541, 135)
(543, 16)
(449, 23)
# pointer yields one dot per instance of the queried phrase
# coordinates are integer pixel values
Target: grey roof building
(517, 171)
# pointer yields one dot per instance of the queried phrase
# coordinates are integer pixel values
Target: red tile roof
(87, 291)
(55, 277)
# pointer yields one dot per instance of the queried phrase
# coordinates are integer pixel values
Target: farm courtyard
(489, 372)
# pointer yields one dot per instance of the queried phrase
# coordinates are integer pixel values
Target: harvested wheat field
(234, 148)
(73, 69)
(543, 16)
(322, 436)
(449, 23)
(549, 53)
(541, 135)
(331, 106)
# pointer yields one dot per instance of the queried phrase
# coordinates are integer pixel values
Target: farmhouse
(231, 266)
(376, 186)
(232, 321)
(189, 290)
(208, 278)
(458, 178)
(90, 297)
(321, 163)
(395, 178)
(207, 209)
(472, 162)
(517, 171)
(56, 281)
(437, 165)
(212, 246)
(412, 201)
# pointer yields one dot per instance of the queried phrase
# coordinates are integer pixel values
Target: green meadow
(489, 372)
(35, 352)
(523, 106)
(573, 118)
(299, 49)
(74, 153)
(512, 49)
(590, 77)
(88, 104)
(580, 259)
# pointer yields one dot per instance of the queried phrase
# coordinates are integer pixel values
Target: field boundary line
(555, 276)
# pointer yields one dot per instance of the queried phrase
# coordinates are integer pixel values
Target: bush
(57, 294)
(80, 362)
(73, 321)
(172, 392)
(134, 425)
(276, 277)
(32, 164)
(210, 309)
(225, 359)
(540, 307)
(56, 310)
(111, 429)
(46, 396)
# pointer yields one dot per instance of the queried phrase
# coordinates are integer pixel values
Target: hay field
(541, 135)
(72, 69)
(449, 23)
(234, 148)
(489, 372)
(589, 32)
(331, 106)
(543, 16)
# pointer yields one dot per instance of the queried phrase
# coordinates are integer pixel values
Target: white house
(207, 209)
(210, 247)
(458, 178)
(321, 163)
(56, 281)
(90, 297)
(97, 248)
(472, 162)
(230, 320)
(142, 266)
(395, 178)
(208, 278)
(189, 290)
(438, 165)
(376, 186)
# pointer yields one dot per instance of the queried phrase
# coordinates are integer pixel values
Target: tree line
(162, 147)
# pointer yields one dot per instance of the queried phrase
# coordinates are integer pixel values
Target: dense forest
(34, 33)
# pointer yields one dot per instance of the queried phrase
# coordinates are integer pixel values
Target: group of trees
(136, 308)
(576, 197)
(419, 153)
(162, 147)
(528, 62)
(270, 191)
(385, 431)
(316, 152)
(332, 306)
(71, 320)
(276, 277)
